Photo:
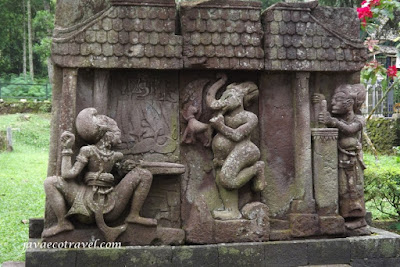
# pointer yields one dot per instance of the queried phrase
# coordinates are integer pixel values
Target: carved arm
(239, 133)
(67, 170)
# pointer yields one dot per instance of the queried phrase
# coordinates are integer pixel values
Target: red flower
(364, 12)
(392, 71)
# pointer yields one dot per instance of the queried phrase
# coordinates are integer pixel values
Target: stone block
(303, 225)
(251, 254)
(50, 257)
(146, 256)
(293, 253)
(331, 225)
(381, 262)
(240, 231)
(371, 247)
(329, 252)
(206, 256)
(100, 257)
(275, 235)
(277, 224)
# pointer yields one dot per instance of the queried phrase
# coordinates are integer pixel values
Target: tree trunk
(30, 41)
(24, 39)
(46, 5)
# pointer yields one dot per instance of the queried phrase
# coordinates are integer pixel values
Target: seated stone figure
(236, 157)
(346, 116)
(86, 189)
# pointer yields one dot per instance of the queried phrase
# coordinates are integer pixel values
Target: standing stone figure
(87, 190)
(236, 157)
(346, 116)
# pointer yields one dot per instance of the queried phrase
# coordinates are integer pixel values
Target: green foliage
(13, 18)
(384, 134)
(18, 87)
(382, 185)
(22, 172)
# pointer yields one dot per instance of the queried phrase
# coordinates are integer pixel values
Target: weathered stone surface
(293, 253)
(104, 34)
(239, 231)
(332, 225)
(233, 31)
(383, 245)
(195, 256)
(280, 235)
(354, 251)
(200, 226)
(135, 234)
(329, 252)
(325, 161)
(303, 225)
(241, 255)
(50, 257)
(315, 29)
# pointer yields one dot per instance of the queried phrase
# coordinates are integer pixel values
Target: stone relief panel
(218, 191)
(145, 104)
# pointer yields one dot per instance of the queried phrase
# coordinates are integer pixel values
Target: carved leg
(59, 206)
(230, 199)
(139, 196)
(236, 172)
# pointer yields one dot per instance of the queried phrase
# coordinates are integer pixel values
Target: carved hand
(316, 98)
(67, 140)
(129, 165)
(217, 121)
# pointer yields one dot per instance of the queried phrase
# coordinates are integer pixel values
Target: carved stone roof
(305, 37)
(129, 34)
(215, 34)
(222, 34)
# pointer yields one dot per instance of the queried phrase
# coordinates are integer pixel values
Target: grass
(22, 173)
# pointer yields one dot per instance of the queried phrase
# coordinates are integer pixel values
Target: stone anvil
(243, 102)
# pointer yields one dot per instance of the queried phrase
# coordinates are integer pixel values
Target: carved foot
(141, 220)
(226, 215)
(59, 228)
(259, 182)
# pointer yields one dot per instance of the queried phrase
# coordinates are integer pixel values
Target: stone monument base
(382, 248)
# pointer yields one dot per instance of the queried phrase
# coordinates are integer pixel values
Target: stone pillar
(68, 106)
(303, 220)
(100, 91)
(302, 130)
(326, 185)
(57, 83)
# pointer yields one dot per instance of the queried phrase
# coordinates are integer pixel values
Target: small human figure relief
(99, 197)
(192, 109)
(347, 118)
(236, 157)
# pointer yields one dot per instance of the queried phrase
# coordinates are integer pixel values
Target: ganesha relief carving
(236, 158)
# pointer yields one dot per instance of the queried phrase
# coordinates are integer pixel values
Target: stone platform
(380, 249)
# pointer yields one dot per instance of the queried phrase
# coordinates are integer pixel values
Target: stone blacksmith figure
(346, 116)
